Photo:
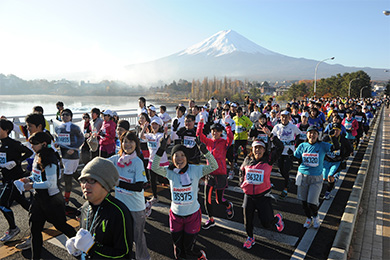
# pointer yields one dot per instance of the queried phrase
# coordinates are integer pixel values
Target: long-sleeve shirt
(185, 198)
(13, 150)
(44, 180)
(69, 137)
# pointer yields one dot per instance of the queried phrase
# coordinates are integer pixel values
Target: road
(225, 240)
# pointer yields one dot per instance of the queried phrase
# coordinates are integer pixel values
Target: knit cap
(101, 170)
(179, 147)
(124, 124)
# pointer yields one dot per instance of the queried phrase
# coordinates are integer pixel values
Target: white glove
(71, 248)
(20, 185)
(9, 165)
(84, 240)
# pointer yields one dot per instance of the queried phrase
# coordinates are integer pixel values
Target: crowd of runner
(210, 144)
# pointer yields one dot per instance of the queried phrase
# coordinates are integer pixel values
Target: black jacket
(112, 228)
(13, 150)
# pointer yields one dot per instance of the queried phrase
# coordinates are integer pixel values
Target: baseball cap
(152, 108)
(305, 114)
(285, 112)
(157, 121)
(312, 128)
(258, 142)
(108, 112)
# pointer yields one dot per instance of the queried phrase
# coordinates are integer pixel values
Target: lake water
(21, 105)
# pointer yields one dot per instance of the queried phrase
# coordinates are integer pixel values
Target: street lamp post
(349, 88)
(361, 91)
(315, 74)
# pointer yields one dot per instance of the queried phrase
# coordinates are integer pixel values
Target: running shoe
(209, 223)
(283, 195)
(203, 256)
(316, 222)
(307, 223)
(230, 211)
(231, 175)
(153, 200)
(250, 241)
(9, 234)
(24, 245)
(327, 195)
(148, 209)
(280, 223)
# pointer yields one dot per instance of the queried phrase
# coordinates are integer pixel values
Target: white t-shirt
(286, 134)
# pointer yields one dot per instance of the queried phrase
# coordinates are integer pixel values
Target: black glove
(290, 152)
(175, 125)
(163, 146)
(202, 146)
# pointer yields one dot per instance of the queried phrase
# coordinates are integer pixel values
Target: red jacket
(217, 147)
(107, 133)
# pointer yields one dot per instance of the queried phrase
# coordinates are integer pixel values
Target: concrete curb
(343, 238)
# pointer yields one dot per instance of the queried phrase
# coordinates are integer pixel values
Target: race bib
(239, 129)
(341, 115)
(182, 196)
(152, 144)
(359, 118)
(189, 141)
(255, 176)
(3, 158)
(333, 154)
(37, 175)
(311, 159)
(348, 125)
(127, 180)
(263, 137)
(63, 139)
(288, 145)
(303, 135)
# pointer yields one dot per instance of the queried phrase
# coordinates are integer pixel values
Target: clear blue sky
(46, 38)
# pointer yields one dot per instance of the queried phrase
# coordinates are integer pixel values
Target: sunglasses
(88, 180)
(85, 117)
(65, 114)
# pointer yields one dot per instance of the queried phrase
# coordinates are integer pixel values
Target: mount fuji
(227, 53)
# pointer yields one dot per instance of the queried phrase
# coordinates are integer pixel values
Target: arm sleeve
(79, 137)
(157, 168)
(212, 166)
(138, 186)
(51, 178)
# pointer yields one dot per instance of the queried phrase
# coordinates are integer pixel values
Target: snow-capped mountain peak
(225, 42)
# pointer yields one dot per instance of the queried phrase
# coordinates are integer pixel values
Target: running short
(190, 224)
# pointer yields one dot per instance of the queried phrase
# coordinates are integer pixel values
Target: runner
(87, 130)
(255, 181)
(217, 180)
(69, 138)
(243, 125)
(130, 190)
(287, 133)
(96, 124)
(351, 125)
(187, 135)
(311, 156)
(153, 138)
(185, 216)
(335, 161)
(106, 224)
(12, 154)
(107, 135)
(48, 203)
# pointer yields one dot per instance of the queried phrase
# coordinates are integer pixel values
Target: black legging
(311, 210)
(208, 192)
(285, 164)
(264, 210)
(9, 194)
(51, 209)
(184, 245)
(237, 144)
